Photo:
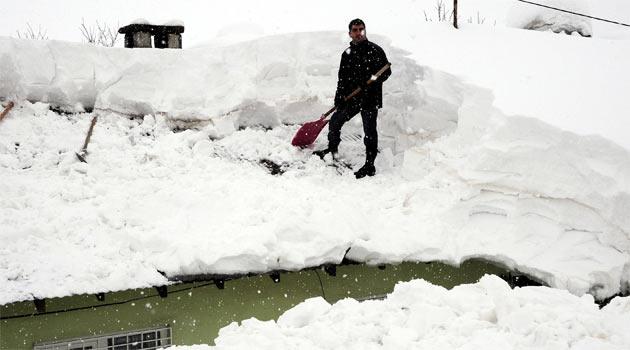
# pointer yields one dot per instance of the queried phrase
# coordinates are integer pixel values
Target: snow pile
(288, 78)
(527, 179)
(527, 16)
(187, 202)
(419, 315)
(291, 78)
(457, 177)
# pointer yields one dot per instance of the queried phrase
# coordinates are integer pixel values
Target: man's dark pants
(341, 116)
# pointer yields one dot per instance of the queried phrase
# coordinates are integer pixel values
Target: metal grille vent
(150, 339)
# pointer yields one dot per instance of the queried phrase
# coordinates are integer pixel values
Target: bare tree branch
(88, 32)
(30, 33)
(442, 12)
(108, 35)
(426, 18)
(99, 34)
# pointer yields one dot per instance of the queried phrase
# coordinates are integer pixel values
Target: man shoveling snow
(359, 64)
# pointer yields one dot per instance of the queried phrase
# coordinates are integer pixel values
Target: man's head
(356, 30)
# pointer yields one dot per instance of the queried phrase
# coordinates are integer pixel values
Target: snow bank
(458, 178)
(420, 315)
(527, 179)
(563, 81)
(288, 78)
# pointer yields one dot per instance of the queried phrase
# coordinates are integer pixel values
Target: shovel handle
(358, 90)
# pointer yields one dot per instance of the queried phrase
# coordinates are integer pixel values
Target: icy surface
(419, 315)
(175, 182)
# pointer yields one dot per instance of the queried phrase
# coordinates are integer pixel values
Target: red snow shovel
(308, 133)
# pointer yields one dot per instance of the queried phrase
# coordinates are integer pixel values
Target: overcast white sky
(205, 19)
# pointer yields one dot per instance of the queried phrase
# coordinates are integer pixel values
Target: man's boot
(367, 169)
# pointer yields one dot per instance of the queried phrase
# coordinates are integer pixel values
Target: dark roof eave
(151, 28)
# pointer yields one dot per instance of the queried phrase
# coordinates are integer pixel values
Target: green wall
(196, 311)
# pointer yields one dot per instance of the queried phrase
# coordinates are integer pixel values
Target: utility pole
(455, 14)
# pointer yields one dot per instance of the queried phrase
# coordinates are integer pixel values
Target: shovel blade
(308, 133)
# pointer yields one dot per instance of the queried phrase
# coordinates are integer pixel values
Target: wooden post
(83, 153)
(455, 14)
(7, 109)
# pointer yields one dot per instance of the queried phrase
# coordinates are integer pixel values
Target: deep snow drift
(457, 177)
(419, 315)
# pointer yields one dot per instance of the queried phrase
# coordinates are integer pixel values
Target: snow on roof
(172, 22)
(140, 21)
(457, 177)
(419, 315)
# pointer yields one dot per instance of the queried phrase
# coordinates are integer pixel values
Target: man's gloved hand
(373, 80)
(365, 86)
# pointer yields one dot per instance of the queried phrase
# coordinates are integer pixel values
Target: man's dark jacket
(358, 63)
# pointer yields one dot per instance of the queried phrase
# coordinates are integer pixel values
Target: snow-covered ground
(419, 315)
(458, 177)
